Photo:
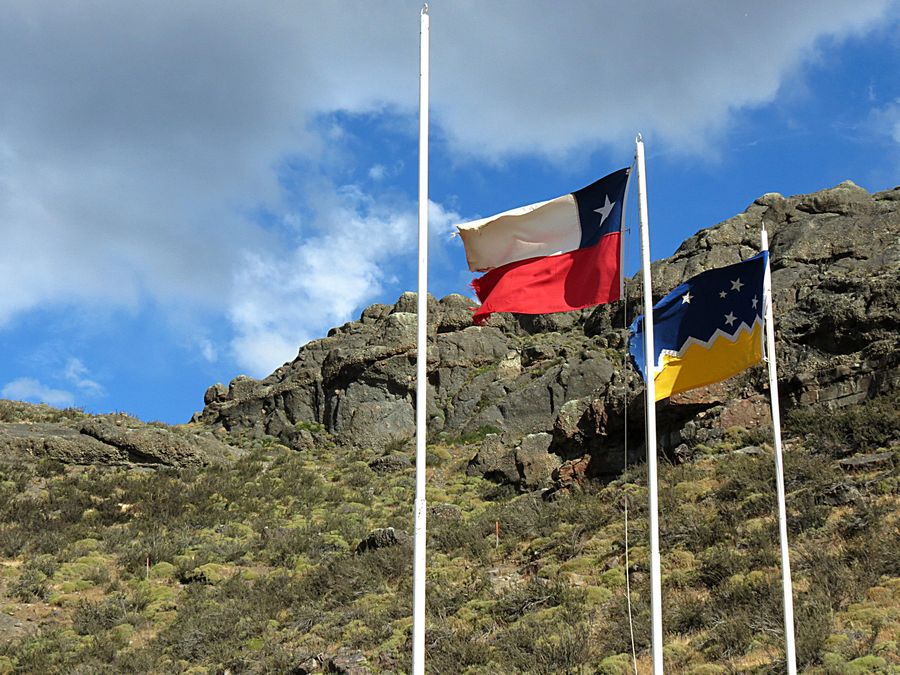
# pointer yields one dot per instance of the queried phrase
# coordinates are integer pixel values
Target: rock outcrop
(835, 261)
(37, 432)
(383, 537)
(358, 383)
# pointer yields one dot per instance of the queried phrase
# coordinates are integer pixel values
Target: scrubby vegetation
(252, 566)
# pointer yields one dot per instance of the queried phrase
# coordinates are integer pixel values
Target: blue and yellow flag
(707, 329)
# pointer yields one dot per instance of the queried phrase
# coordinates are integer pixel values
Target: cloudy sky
(190, 190)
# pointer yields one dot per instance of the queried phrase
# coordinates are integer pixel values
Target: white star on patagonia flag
(686, 298)
(605, 210)
(723, 294)
(736, 285)
(754, 302)
(730, 318)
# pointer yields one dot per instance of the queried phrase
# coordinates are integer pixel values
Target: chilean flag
(553, 256)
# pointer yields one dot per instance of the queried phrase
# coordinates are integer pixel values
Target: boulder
(494, 462)
(534, 462)
(347, 662)
(382, 538)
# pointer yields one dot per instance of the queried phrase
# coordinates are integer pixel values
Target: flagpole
(650, 389)
(421, 360)
(790, 653)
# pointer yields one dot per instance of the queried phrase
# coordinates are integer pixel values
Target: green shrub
(812, 626)
(92, 618)
(865, 427)
(478, 435)
(560, 647)
(30, 586)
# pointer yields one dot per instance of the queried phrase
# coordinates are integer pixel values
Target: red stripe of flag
(557, 283)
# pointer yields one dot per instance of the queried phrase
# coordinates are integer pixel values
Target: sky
(190, 190)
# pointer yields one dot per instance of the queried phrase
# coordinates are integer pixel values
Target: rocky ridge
(38, 432)
(559, 382)
(549, 397)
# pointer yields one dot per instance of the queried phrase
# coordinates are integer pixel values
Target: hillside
(269, 534)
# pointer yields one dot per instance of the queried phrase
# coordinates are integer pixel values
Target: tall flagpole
(650, 389)
(790, 653)
(421, 360)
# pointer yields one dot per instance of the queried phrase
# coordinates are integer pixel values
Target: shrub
(92, 618)
(867, 426)
(812, 626)
(478, 435)
(30, 586)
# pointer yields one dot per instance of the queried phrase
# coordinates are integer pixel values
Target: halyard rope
(625, 451)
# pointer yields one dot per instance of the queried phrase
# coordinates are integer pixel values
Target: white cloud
(77, 373)
(137, 139)
(441, 221)
(30, 389)
(280, 304)
(595, 72)
(380, 172)
(886, 120)
(280, 301)
(208, 350)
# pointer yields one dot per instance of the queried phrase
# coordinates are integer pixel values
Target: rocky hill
(269, 535)
(563, 377)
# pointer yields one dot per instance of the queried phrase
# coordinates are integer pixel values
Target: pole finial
(639, 138)
(425, 8)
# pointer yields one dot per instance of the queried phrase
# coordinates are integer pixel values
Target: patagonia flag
(707, 329)
(552, 256)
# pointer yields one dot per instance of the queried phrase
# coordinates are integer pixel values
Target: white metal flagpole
(421, 360)
(790, 653)
(650, 388)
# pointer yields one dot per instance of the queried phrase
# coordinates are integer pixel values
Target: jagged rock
(374, 313)
(348, 662)
(454, 313)
(534, 353)
(241, 387)
(565, 426)
(546, 323)
(527, 466)
(571, 475)
(682, 452)
(216, 392)
(308, 666)
(109, 440)
(534, 462)
(838, 495)
(382, 538)
(408, 304)
(494, 462)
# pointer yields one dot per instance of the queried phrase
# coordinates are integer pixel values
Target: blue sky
(190, 190)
